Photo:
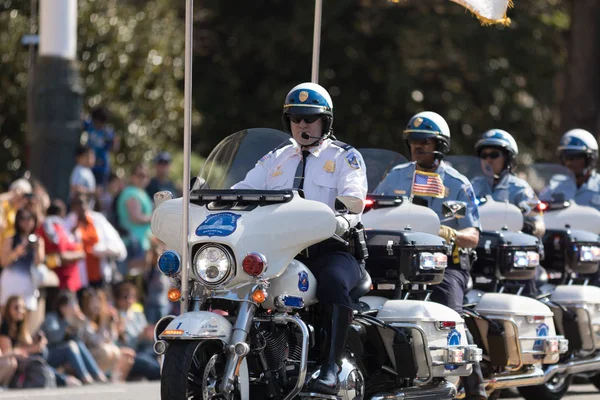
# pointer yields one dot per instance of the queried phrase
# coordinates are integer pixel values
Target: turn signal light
(174, 294)
(259, 296)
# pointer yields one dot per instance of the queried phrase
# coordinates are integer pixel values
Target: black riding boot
(336, 321)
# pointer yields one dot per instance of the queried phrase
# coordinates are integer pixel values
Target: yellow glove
(447, 233)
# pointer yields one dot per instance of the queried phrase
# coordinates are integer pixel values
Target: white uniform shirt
(331, 171)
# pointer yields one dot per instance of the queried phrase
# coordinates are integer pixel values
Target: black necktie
(299, 177)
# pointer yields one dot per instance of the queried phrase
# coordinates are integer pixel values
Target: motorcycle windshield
(379, 162)
(548, 179)
(234, 156)
(469, 166)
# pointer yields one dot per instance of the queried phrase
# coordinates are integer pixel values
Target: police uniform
(587, 194)
(331, 169)
(399, 181)
(511, 189)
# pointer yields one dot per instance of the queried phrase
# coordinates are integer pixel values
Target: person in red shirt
(63, 251)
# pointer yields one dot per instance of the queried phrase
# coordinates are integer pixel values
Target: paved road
(150, 391)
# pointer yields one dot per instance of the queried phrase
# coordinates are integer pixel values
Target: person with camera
(20, 255)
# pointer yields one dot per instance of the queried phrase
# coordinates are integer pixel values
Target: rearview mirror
(454, 209)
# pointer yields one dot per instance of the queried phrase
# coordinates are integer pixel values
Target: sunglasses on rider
(493, 155)
(309, 119)
(573, 157)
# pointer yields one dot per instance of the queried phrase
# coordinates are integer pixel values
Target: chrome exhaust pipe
(531, 377)
(444, 390)
(573, 367)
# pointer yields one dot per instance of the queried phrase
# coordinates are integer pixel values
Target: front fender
(205, 325)
(196, 325)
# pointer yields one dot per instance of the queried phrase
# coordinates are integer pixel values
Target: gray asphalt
(151, 391)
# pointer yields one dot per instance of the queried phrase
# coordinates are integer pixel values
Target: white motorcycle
(251, 330)
(516, 333)
(572, 251)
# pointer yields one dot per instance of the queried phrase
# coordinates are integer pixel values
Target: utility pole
(56, 98)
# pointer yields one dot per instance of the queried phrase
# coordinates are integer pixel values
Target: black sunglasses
(493, 155)
(573, 157)
(309, 119)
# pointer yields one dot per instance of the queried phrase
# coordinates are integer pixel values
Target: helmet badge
(303, 95)
(418, 122)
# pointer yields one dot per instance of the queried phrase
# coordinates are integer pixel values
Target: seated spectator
(101, 334)
(15, 339)
(8, 367)
(101, 242)
(64, 329)
(21, 254)
(134, 213)
(135, 332)
(82, 178)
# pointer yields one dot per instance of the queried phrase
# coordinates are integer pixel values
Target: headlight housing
(429, 260)
(526, 259)
(213, 264)
(589, 254)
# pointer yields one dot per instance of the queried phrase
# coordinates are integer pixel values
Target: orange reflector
(259, 296)
(174, 294)
(173, 332)
(237, 367)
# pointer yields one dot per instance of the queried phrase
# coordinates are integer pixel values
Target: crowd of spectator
(79, 291)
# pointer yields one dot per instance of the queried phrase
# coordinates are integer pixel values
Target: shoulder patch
(471, 195)
(272, 152)
(343, 145)
(353, 160)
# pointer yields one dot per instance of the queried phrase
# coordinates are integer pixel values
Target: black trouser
(337, 272)
(451, 292)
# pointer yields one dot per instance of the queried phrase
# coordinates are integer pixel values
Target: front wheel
(554, 389)
(193, 370)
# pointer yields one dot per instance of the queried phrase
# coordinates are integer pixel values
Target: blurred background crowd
(79, 294)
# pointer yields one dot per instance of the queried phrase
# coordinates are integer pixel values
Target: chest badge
(277, 173)
(329, 166)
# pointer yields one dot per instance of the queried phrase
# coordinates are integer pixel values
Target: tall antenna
(187, 137)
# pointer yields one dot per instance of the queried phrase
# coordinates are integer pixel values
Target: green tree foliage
(381, 63)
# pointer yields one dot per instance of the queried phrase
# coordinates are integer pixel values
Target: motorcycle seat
(362, 287)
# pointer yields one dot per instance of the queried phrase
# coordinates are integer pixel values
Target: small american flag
(427, 184)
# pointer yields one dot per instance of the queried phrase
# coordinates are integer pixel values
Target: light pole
(56, 90)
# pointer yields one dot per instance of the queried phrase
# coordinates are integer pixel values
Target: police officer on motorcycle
(428, 139)
(578, 151)
(498, 152)
(324, 169)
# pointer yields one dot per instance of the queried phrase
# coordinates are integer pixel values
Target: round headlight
(213, 264)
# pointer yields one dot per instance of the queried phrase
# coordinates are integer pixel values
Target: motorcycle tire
(553, 390)
(595, 380)
(185, 364)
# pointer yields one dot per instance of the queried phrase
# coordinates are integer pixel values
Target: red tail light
(541, 207)
(446, 324)
(254, 264)
(368, 204)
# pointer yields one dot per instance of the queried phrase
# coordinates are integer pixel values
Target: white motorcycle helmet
(426, 125)
(309, 99)
(579, 141)
(502, 140)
